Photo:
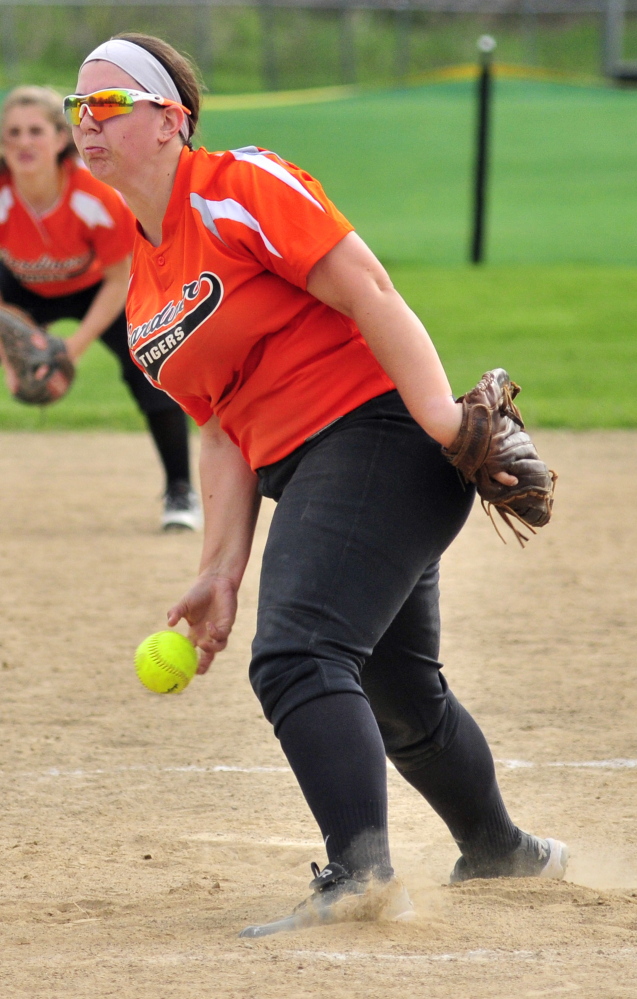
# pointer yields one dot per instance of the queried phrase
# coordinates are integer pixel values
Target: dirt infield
(139, 833)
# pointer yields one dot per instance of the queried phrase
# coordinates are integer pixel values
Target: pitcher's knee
(412, 746)
(285, 682)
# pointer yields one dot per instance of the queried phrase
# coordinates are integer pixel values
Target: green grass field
(398, 164)
(556, 301)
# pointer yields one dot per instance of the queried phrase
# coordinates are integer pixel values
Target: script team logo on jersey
(153, 342)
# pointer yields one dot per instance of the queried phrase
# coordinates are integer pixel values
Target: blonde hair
(50, 103)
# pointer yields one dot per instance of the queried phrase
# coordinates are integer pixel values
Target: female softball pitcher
(256, 306)
(65, 245)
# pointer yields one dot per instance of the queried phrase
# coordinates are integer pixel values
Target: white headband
(143, 67)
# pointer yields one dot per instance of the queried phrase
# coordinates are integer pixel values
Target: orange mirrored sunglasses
(105, 104)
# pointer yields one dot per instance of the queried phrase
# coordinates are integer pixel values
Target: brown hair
(179, 67)
(50, 103)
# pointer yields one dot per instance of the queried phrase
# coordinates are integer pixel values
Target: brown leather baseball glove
(492, 439)
(38, 366)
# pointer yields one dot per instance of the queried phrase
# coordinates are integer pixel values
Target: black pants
(75, 306)
(349, 585)
(348, 619)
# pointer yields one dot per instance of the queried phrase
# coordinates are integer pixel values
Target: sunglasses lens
(72, 110)
(103, 104)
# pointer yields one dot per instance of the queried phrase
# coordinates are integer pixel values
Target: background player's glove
(492, 439)
(39, 368)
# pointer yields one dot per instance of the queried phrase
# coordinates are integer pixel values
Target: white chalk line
(257, 954)
(142, 768)
(618, 763)
(480, 955)
(252, 840)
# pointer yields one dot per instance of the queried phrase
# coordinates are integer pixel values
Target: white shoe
(533, 858)
(182, 510)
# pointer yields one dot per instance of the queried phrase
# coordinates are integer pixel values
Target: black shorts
(75, 306)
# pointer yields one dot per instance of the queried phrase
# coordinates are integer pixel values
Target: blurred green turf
(398, 164)
(566, 333)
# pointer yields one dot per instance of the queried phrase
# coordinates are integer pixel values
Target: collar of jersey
(68, 166)
(179, 194)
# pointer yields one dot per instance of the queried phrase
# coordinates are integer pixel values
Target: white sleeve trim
(6, 203)
(228, 209)
(90, 210)
(260, 159)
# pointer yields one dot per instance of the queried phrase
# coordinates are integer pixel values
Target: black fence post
(269, 64)
(347, 44)
(530, 31)
(402, 52)
(486, 46)
(202, 40)
(8, 45)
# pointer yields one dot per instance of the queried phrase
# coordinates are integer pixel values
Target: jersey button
(161, 261)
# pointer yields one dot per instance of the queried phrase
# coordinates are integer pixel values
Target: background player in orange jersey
(65, 244)
(255, 304)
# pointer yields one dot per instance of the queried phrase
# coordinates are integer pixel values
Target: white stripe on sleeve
(228, 209)
(90, 210)
(6, 203)
(260, 159)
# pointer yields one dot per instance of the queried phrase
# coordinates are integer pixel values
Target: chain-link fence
(248, 45)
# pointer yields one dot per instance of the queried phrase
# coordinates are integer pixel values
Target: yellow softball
(166, 662)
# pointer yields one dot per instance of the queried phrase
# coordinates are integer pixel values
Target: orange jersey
(67, 248)
(218, 315)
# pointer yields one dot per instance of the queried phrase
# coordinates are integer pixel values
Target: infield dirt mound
(140, 833)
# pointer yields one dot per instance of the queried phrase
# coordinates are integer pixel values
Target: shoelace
(329, 877)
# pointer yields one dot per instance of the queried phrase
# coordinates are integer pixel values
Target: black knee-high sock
(169, 430)
(337, 755)
(459, 782)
